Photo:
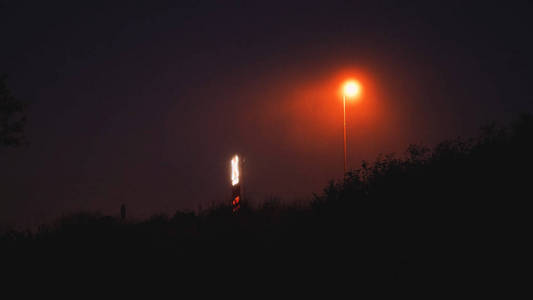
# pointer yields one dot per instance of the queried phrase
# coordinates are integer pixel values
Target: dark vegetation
(12, 117)
(455, 213)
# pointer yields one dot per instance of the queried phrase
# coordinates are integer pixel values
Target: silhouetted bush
(426, 216)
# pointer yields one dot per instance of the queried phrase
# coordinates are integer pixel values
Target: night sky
(144, 103)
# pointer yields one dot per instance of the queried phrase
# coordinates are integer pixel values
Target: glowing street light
(351, 89)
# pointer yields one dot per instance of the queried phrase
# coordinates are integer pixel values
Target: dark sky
(144, 103)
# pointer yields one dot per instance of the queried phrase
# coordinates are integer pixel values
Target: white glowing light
(235, 170)
(352, 89)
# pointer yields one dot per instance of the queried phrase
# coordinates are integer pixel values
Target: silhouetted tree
(12, 117)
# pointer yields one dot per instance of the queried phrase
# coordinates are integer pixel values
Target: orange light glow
(236, 200)
(352, 88)
(235, 170)
(310, 110)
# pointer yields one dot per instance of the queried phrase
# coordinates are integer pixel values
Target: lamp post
(351, 89)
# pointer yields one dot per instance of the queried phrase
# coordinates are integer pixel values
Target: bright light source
(235, 170)
(352, 88)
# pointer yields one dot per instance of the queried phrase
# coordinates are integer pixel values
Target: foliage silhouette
(12, 117)
(455, 212)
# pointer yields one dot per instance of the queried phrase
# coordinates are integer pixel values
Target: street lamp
(351, 89)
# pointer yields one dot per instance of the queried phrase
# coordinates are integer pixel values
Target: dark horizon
(144, 104)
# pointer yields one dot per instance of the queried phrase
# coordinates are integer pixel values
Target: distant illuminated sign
(235, 170)
(236, 187)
